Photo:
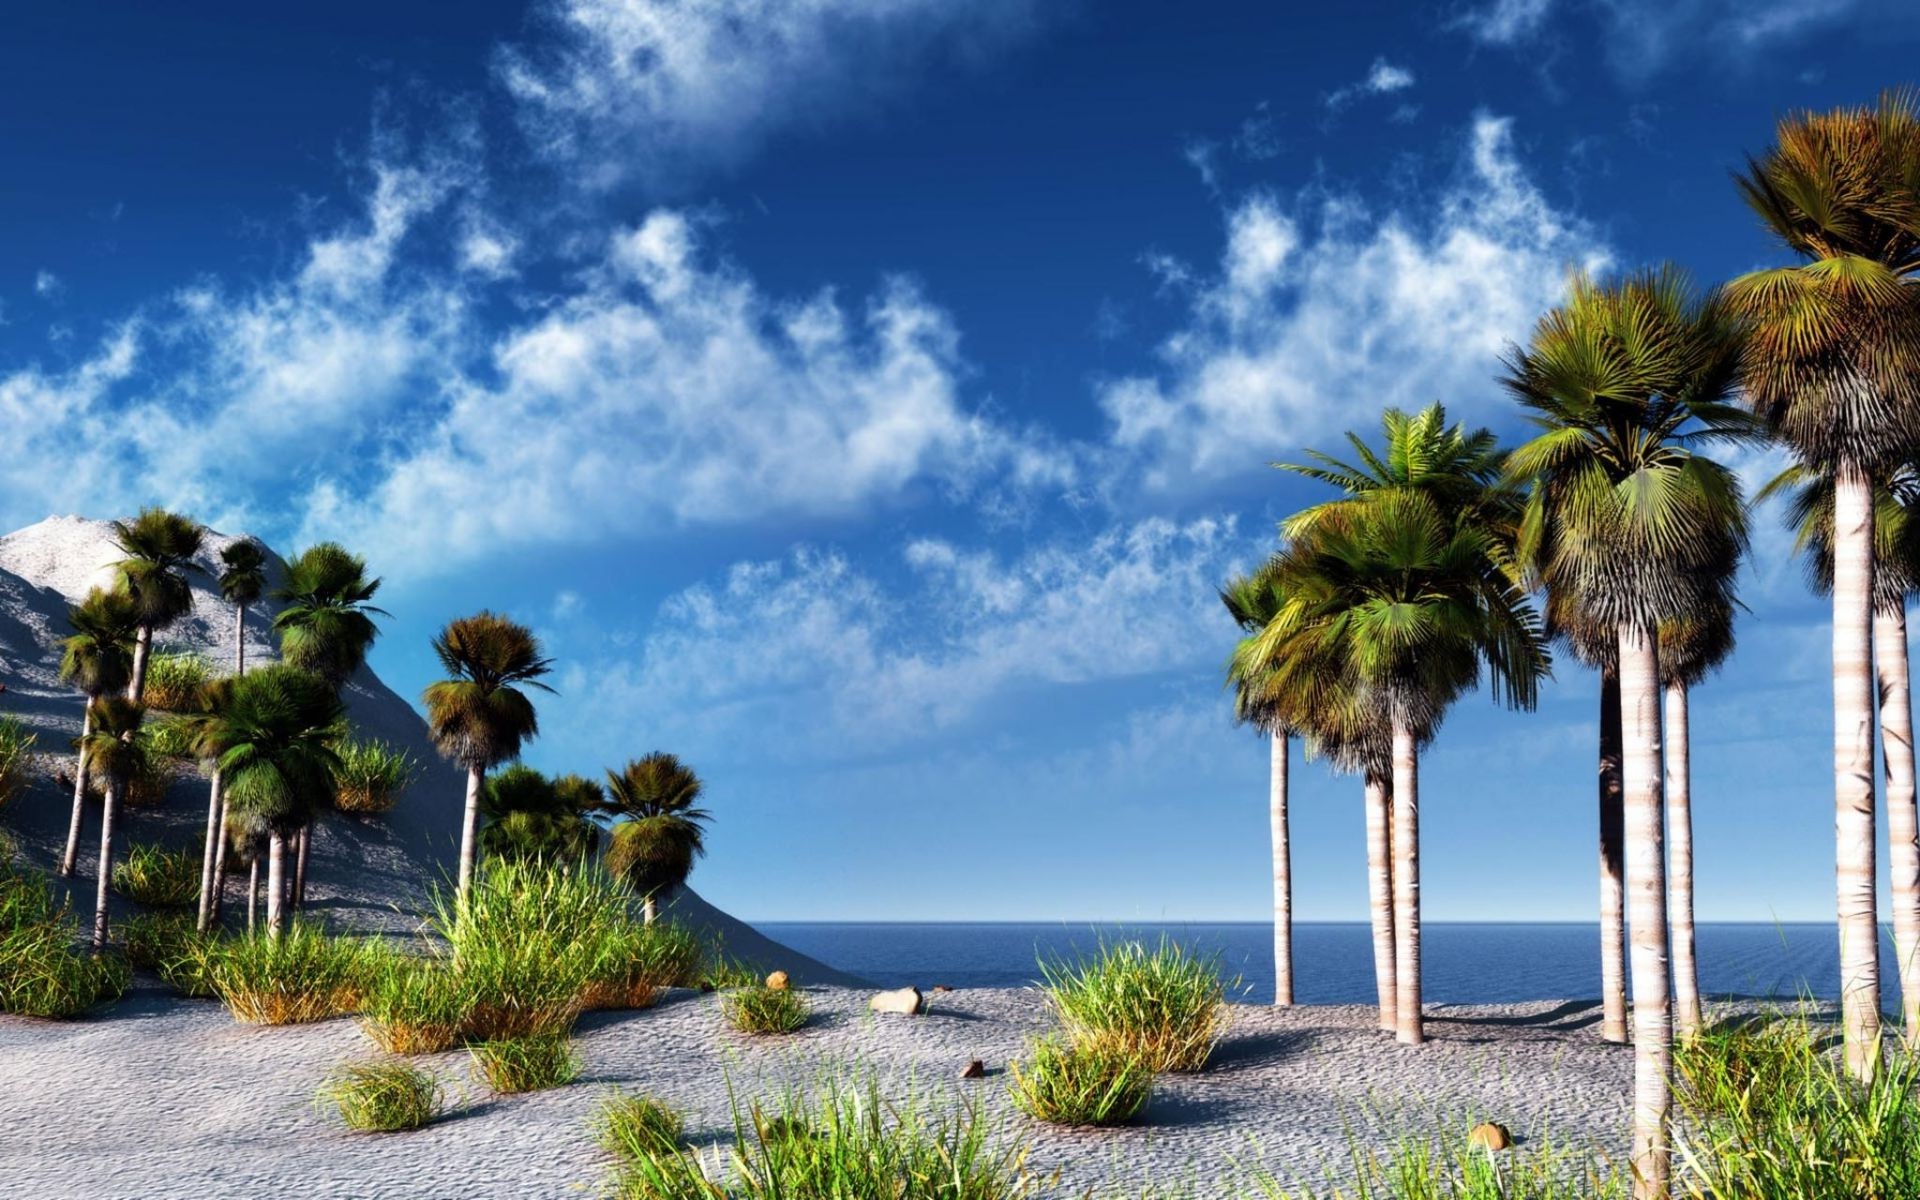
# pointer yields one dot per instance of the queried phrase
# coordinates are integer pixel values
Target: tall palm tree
(1633, 529)
(659, 828)
(530, 816)
(1896, 579)
(1405, 600)
(1252, 602)
(325, 627)
(205, 731)
(160, 547)
(98, 659)
(275, 736)
(243, 578)
(1459, 471)
(109, 743)
(1833, 368)
(481, 716)
(1691, 648)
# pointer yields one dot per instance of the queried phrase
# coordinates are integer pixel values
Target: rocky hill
(364, 872)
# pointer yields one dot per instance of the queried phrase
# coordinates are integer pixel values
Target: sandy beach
(161, 1098)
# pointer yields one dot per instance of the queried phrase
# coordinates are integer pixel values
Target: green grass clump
(527, 1064)
(382, 1097)
(1448, 1168)
(720, 973)
(42, 973)
(620, 974)
(169, 945)
(631, 1127)
(763, 1010)
(176, 682)
(1769, 1112)
(158, 877)
(1064, 1084)
(412, 1004)
(1163, 1007)
(371, 776)
(16, 759)
(524, 944)
(303, 975)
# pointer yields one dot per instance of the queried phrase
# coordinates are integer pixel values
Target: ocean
(1462, 962)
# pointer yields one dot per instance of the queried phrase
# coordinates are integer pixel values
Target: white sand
(163, 1098)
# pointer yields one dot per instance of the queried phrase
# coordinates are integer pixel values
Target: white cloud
(1383, 78)
(1322, 312)
(810, 653)
(46, 284)
(669, 389)
(628, 88)
(1504, 22)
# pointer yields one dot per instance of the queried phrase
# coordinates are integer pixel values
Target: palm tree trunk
(239, 640)
(1282, 871)
(1903, 821)
(219, 875)
(142, 649)
(300, 867)
(210, 854)
(276, 884)
(1646, 910)
(1613, 893)
(1406, 883)
(71, 855)
(469, 831)
(1853, 720)
(1687, 1017)
(253, 890)
(650, 908)
(1380, 893)
(108, 810)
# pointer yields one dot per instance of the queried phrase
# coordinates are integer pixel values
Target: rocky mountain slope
(365, 872)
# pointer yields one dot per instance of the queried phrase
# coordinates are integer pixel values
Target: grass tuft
(371, 776)
(763, 1010)
(630, 1127)
(42, 974)
(16, 759)
(412, 1004)
(382, 1097)
(719, 973)
(304, 975)
(1162, 1007)
(527, 1064)
(176, 682)
(158, 877)
(1064, 1084)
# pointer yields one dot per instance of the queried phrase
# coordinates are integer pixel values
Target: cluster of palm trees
(1612, 533)
(268, 737)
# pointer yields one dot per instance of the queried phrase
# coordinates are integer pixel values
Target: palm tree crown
(659, 828)
(327, 625)
(531, 816)
(274, 738)
(97, 657)
(159, 548)
(243, 576)
(480, 716)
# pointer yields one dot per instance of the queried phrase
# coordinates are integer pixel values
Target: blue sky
(864, 397)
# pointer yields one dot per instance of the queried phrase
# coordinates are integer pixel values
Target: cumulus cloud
(660, 87)
(1322, 311)
(670, 389)
(809, 651)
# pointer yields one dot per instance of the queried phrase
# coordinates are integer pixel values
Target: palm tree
(243, 578)
(1252, 603)
(1404, 601)
(326, 627)
(1691, 648)
(160, 547)
(275, 736)
(530, 816)
(1459, 471)
(109, 743)
(205, 731)
(1630, 529)
(480, 717)
(659, 829)
(1896, 578)
(98, 659)
(1833, 368)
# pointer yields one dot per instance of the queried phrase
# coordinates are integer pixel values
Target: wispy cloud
(1382, 79)
(1321, 311)
(46, 284)
(660, 88)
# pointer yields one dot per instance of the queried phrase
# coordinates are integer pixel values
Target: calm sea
(1333, 962)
